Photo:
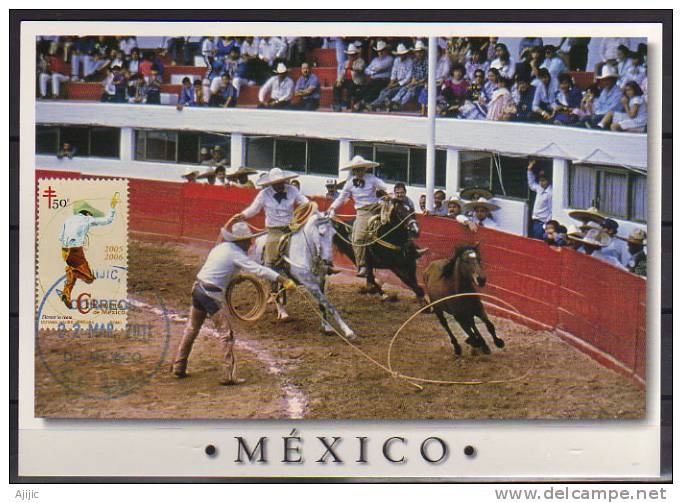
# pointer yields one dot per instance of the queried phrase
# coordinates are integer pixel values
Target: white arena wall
(561, 144)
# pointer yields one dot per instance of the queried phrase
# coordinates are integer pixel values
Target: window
(323, 157)
(260, 152)
(401, 163)
(616, 192)
(105, 142)
(176, 146)
(502, 175)
(78, 137)
(290, 154)
(89, 141)
(303, 155)
(393, 161)
(47, 140)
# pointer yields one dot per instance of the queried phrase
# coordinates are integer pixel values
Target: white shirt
(617, 249)
(486, 222)
(506, 69)
(250, 49)
(216, 85)
(362, 196)
(227, 259)
(277, 90)
(600, 255)
(542, 208)
(277, 214)
(207, 47)
(76, 228)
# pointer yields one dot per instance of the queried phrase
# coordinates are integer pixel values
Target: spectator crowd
(477, 78)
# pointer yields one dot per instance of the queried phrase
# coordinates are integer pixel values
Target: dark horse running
(397, 252)
(460, 274)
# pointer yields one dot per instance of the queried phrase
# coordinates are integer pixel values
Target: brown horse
(460, 274)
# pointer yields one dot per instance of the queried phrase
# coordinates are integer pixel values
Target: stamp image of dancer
(82, 254)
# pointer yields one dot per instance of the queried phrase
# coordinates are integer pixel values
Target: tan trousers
(271, 251)
(222, 325)
(360, 233)
(77, 267)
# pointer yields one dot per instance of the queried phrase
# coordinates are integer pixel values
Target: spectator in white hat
(278, 91)
(332, 189)
(481, 216)
(350, 80)
(401, 76)
(637, 249)
(378, 72)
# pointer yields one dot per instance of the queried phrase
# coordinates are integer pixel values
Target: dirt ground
(293, 371)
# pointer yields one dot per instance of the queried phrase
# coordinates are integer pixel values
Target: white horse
(309, 257)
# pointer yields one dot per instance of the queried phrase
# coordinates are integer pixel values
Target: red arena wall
(576, 296)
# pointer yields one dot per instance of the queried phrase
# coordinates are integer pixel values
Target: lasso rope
(259, 308)
(437, 381)
(378, 239)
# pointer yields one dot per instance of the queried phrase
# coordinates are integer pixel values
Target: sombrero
(281, 68)
(351, 49)
(594, 237)
(573, 232)
(401, 50)
(481, 201)
(274, 176)
(589, 215)
(607, 72)
(235, 173)
(189, 172)
(359, 162)
(79, 206)
(240, 232)
(419, 46)
(473, 193)
(457, 199)
(636, 237)
(381, 46)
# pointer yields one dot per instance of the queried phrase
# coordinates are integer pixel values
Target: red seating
(182, 70)
(91, 91)
(171, 88)
(325, 74)
(324, 57)
(583, 79)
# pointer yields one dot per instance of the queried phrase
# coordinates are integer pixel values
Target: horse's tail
(449, 268)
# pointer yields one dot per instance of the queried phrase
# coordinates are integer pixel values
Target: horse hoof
(485, 349)
(326, 333)
(471, 342)
(499, 343)
(392, 297)
(458, 351)
(351, 337)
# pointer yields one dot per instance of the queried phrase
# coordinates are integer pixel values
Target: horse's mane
(449, 267)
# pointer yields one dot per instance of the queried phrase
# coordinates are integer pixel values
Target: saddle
(301, 215)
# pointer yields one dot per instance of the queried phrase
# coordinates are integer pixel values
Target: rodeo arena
(364, 228)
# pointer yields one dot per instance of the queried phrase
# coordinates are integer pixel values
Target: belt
(209, 287)
(280, 228)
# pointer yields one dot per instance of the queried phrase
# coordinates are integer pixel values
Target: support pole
(431, 121)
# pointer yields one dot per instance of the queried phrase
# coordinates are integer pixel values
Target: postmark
(82, 254)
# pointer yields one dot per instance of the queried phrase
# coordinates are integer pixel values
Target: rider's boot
(362, 272)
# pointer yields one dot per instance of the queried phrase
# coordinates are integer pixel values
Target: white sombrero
(401, 50)
(607, 72)
(234, 173)
(573, 232)
(240, 232)
(637, 237)
(190, 172)
(381, 46)
(481, 201)
(359, 162)
(281, 68)
(594, 237)
(589, 215)
(274, 176)
(419, 46)
(457, 199)
(352, 49)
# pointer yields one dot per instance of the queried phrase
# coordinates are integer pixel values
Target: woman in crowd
(635, 115)
(503, 62)
(476, 62)
(501, 106)
(523, 94)
(567, 101)
(635, 71)
(453, 92)
(587, 102)
(493, 76)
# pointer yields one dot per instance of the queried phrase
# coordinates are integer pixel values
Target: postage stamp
(82, 254)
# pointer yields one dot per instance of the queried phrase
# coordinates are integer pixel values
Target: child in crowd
(635, 115)
(553, 234)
